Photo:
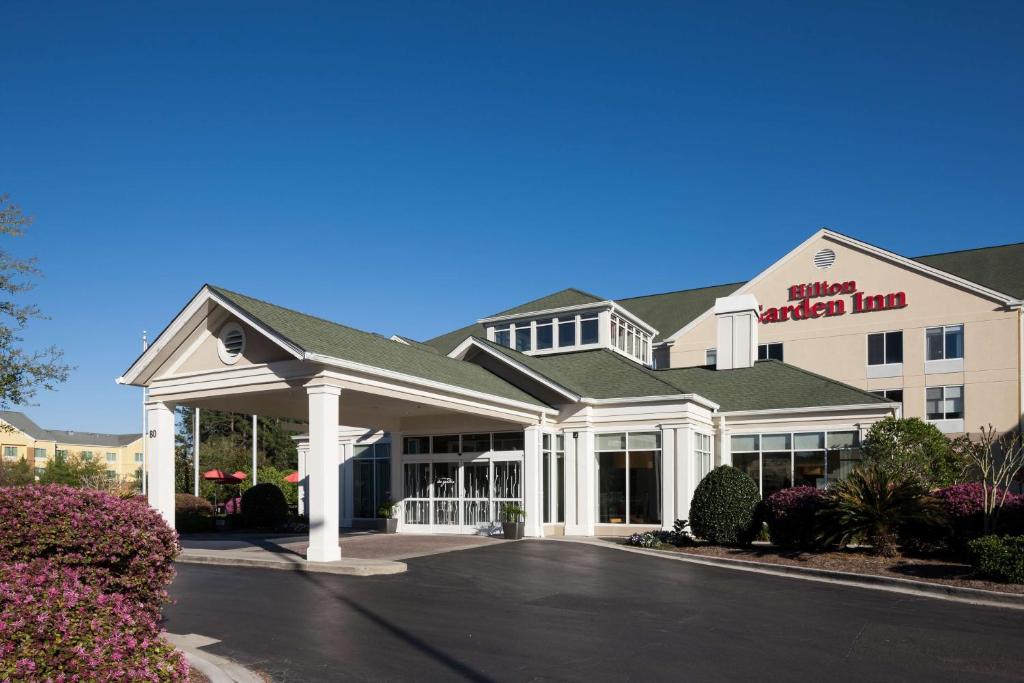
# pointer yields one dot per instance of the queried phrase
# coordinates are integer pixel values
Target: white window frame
(944, 364)
(699, 452)
(708, 353)
(947, 425)
(597, 475)
(793, 450)
(767, 347)
(883, 369)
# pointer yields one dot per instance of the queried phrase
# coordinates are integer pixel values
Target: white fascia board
(203, 296)
(429, 383)
(459, 352)
(396, 338)
(694, 398)
(546, 311)
(1005, 299)
(813, 409)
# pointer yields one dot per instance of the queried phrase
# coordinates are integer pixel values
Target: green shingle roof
(566, 297)
(769, 384)
(316, 335)
(672, 311)
(998, 268)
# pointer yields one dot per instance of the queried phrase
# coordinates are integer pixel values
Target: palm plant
(872, 503)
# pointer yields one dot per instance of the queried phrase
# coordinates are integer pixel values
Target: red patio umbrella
(292, 478)
(222, 477)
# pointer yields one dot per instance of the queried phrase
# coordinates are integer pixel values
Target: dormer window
(567, 332)
(630, 339)
(588, 329)
(502, 335)
(545, 334)
(523, 341)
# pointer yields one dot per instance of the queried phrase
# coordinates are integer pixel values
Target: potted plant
(513, 523)
(386, 515)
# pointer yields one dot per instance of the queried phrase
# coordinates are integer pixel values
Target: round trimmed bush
(54, 626)
(725, 505)
(1000, 558)
(264, 507)
(192, 513)
(120, 546)
(790, 515)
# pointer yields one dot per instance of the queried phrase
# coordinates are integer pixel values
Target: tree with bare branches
(996, 459)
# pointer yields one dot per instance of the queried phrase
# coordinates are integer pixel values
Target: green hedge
(1000, 558)
(264, 507)
(725, 507)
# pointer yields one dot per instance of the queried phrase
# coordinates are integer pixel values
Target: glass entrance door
(476, 494)
(446, 493)
(453, 497)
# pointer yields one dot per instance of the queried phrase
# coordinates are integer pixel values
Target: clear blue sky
(410, 168)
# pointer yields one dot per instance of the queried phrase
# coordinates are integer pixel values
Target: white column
(586, 488)
(160, 439)
(195, 453)
(684, 472)
(254, 480)
(322, 467)
(569, 444)
(532, 482)
(303, 489)
(724, 455)
(668, 477)
(397, 494)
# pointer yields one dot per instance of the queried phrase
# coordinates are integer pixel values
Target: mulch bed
(944, 571)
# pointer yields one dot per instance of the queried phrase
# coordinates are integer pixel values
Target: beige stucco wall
(837, 346)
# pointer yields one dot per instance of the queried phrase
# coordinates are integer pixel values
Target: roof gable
(671, 311)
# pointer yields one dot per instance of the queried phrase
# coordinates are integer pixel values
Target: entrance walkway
(362, 553)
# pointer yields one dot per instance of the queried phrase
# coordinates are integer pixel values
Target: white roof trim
(874, 251)
(813, 409)
(459, 352)
(203, 296)
(694, 398)
(429, 383)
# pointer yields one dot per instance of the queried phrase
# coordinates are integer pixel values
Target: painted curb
(217, 669)
(354, 567)
(971, 596)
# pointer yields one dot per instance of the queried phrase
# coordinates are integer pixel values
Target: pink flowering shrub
(54, 627)
(790, 515)
(964, 503)
(119, 546)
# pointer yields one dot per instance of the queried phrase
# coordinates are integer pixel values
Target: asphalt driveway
(537, 610)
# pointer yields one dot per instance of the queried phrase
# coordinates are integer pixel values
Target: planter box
(513, 531)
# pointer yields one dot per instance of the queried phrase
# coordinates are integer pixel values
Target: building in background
(121, 453)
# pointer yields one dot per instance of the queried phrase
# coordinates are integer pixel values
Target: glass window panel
(644, 487)
(933, 403)
(417, 511)
(507, 479)
(546, 486)
(762, 352)
(381, 483)
(382, 450)
(588, 331)
(775, 351)
(955, 342)
(843, 439)
(644, 441)
(954, 403)
(809, 442)
(476, 512)
(446, 512)
(560, 485)
(776, 474)
(809, 469)
(545, 442)
(362, 451)
(502, 336)
(567, 332)
(476, 481)
(711, 357)
(559, 442)
(523, 337)
(745, 442)
(611, 488)
(476, 443)
(611, 442)
(362, 489)
(417, 479)
(933, 343)
(417, 445)
(445, 475)
(893, 347)
(876, 349)
(775, 442)
(545, 335)
(509, 441)
(841, 462)
(448, 443)
(749, 463)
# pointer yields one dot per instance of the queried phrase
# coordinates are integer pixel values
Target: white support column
(195, 453)
(684, 472)
(532, 482)
(160, 441)
(254, 466)
(569, 484)
(322, 467)
(397, 494)
(668, 477)
(586, 487)
(724, 455)
(303, 489)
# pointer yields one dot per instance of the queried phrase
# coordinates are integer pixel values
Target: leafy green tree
(910, 447)
(22, 372)
(72, 470)
(16, 473)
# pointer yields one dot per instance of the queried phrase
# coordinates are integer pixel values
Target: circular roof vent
(824, 259)
(231, 343)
